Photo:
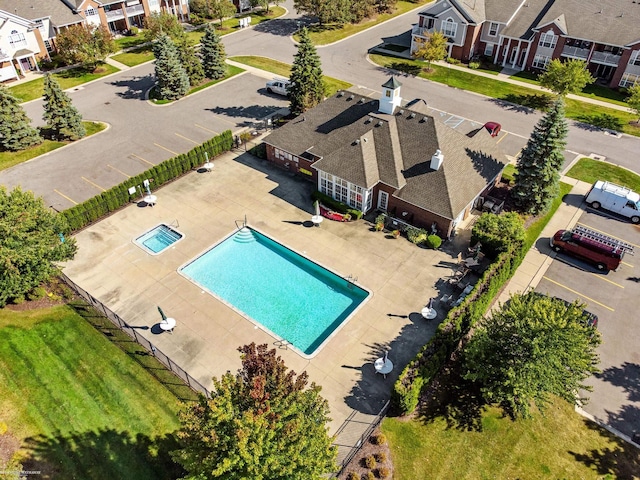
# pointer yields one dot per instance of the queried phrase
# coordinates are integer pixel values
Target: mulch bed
(57, 292)
(358, 466)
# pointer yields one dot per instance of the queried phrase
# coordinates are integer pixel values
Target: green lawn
(135, 57)
(9, 159)
(559, 445)
(325, 34)
(534, 230)
(68, 79)
(584, 112)
(332, 85)
(83, 407)
(589, 170)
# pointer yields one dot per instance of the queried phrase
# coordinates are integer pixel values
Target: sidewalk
(536, 263)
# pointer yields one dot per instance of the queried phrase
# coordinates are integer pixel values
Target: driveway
(613, 296)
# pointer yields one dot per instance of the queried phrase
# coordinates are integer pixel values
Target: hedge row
(432, 357)
(336, 205)
(87, 212)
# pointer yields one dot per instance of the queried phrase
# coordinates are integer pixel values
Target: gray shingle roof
(60, 13)
(527, 19)
(363, 146)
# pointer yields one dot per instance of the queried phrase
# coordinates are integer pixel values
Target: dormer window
(493, 29)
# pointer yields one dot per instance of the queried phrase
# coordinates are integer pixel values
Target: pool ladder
(282, 344)
(351, 279)
(244, 223)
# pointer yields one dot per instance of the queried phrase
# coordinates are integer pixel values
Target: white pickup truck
(279, 86)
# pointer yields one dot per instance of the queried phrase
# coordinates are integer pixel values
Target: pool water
(291, 297)
(159, 238)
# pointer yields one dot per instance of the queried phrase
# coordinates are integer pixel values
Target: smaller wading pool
(157, 239)
(294, 299)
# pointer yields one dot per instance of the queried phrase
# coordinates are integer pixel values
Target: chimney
(437, 160)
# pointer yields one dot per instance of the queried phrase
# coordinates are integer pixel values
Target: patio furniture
(383, 366)
(429, 312)
(208, 166)
(317, 220)
(168, 325)
(150, 200)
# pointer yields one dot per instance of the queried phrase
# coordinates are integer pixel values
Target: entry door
(383, 200)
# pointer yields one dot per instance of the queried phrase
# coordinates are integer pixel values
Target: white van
(279, 86)
(620, 200)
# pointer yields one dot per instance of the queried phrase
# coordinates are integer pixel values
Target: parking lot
(613, 297)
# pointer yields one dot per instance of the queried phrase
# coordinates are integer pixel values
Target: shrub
(335, 205)
(370, 476)
(379, 226)
(370, 461)
(381, 457)
(453, 61)
(416, 235)
(378, 439)
(384, 472)
(259, 151)
(474, 65)
(434, 241)
(37, 293)
(498, 233)
(395, 233)
(17, 300)
(353, 476)
(381, 218)
(133, 31)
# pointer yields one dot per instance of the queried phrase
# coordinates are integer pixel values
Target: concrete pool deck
(205, 208)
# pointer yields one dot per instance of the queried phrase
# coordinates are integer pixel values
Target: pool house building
(375, 154)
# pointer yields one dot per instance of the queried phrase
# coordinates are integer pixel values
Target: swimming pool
(158, 239)
(289, 296)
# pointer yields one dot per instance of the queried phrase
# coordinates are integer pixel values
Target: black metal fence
(131, 332)
(357, 445)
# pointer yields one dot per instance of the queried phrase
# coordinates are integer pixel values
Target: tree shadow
(252, 111)
(284, 27)
(134, 87)
(514, 107)
(453, 398)
(622, 460)
(105, 453)
(525, 103)
(601, 121)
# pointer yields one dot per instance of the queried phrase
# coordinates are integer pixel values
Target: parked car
(617, 199)
(603, 251)
(279, 86)
(493, 128)
(590, 319)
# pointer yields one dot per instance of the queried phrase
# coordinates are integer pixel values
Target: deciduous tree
(212, 53)
(539, 164)
(85, 44)
(262, 423)
(564, 78)
(307, 87)
(432, 48)
(163, 23)
(327, 11)
(173, 81)
(64, 122)
(633, 100)
(16, 132)
(31, 240)
(532, 347)
(221, 9)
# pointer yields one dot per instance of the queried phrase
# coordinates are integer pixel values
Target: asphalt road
(612, 296)
(141, 135)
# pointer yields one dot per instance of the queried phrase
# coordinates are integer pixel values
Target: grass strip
(558, 444)
(596, 115)
(9, 159)
(589, 170)
(281, 69)
(71, 78)
(83, 408)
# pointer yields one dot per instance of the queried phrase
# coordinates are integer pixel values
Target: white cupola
(390, 96)
(436, 160)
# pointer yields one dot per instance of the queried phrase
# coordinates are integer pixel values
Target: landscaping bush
(416, 235)
(339, 207)
(378, 439)
(381, 457)
(353, 476)
(384, 472)
(433, 241)
(474, 65)
(133, 31)
(370, 476)
(370, 461)
(382, 218)
(497, 233)
(259, 151)
(37, 293)
(453, 61)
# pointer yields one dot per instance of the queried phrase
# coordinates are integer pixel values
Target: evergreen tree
(190, 61)
(16, 132)
(307, 88)
(63, 119)
(262, 423)
(538, 168)
(173, 81)
(212, 53)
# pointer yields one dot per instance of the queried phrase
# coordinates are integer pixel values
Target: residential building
(21, 45)
(528, 34)
(376, 154)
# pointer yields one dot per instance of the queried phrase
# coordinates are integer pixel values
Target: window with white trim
(429, 23)
(488, 49)
(449, 27)
(282, 155)
(91, 12)
(635, 58)
(540, 61)
(343, 191)
(17, 40)
(548, 40)
(493, 29)
(629, 80)
(48, 46)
